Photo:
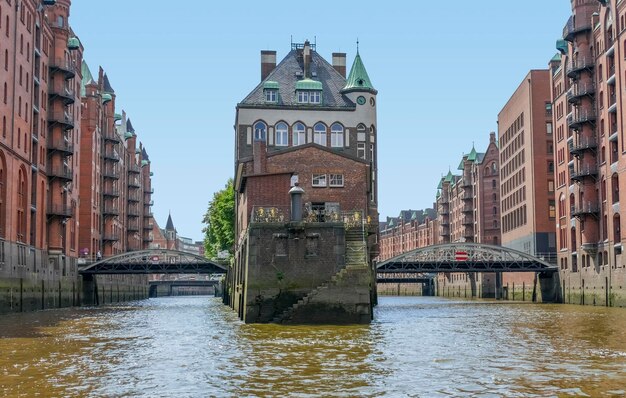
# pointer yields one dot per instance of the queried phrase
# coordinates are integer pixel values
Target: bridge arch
(464, 257)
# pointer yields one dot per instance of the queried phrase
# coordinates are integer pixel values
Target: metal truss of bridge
(464, 257)
(155, 261)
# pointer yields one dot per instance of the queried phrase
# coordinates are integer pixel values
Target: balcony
(579, 90)
(148, 226)
(587, 209)
(111, 192)
(111, 156)
(467, 209)
(65, 94)
(612, 103)
(576, 26)
(133, 227)
(576, 66)
(148, 239)
(133, 183)
(111, 136)
(467, 196)
(584, 172)
(63, 119)
(66, 147)
(465, 183)
(133, 197)
(59, 210)
(110, 210)
(444, 212)
(110, 238)
(580, 117)
(581, 145)
(467, 221)
(445, 231)
(64, 173)
(133, 213)
(468, 234)
(112, 174)
(134, 169)
(150, 191)
(64, 66)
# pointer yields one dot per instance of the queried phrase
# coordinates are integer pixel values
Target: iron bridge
(464, 257)
(154, 261)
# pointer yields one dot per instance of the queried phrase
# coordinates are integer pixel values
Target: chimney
(339, 63)
(259, 157)
(306, 56)
(268, 63)
(492, 137)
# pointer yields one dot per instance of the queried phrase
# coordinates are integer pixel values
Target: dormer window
(270, 89)
(309, 91)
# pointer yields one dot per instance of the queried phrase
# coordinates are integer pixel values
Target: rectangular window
(315, 97)
(551, 209)
(303, 97)
(336, 180)
(270, 95)
(319, 180)
(360, 150)
(549, 128)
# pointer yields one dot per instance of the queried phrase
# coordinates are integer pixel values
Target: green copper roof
(391, 223)
(117, 117)
(414, 216)
(145, 163)
(358, 80)
(137, 151)
(449, 177)
(461, 165)
(308, 84)
(151, 174)
(128, 135)
(73, 43)
(472, 155)
(561, 45)
(106, 97)
(438, 194)
(440, 184)
(87, 78)
(556, 58)
(270, 84)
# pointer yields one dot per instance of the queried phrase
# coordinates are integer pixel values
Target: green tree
(219, 233)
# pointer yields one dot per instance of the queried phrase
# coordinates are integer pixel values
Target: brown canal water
(416, 347)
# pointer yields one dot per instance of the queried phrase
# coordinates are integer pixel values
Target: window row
(323, 180)
(298, 134)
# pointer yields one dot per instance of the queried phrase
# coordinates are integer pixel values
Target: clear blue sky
(443, 70)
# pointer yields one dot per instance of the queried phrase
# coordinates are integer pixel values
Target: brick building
(40, 112)
(527, 174)
(412, 229)
(115, 183)
(308, 124)
(586, 77)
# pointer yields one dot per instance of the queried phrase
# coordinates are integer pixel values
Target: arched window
(360, 132)
(493, 183)
(336, 135)
(319, 134)
(299, 134)
(282, 134)
(260, 131)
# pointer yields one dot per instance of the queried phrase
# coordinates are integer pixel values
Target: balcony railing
(111, 136)
(112, 156)
(580, 89)
(589, 208)
(64, 146)
(467, 209)
(59, 210)
(134, 213)
(148, 226)
(149, 191)
(133, 168)
(110, 237)
(577, 118)
(113, 174)
(133, 197)
(582, 144)
(64, 66)
(110, 210)
(584, 172)
(113, 192)
(148, 239)
(133, 183)
(64, 94)
(467, 221)
(63, 118)
(61, 172)
(133, 227)
(575, 66)
(574, 26)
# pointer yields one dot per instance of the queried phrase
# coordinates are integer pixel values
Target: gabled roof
(289, 72)
(87, 78)
(358, 80)
(449, 177)
(106, 85)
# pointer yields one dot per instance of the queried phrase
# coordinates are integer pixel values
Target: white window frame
(303, 97)
(318, 134)
(271, 95)
(336, 135)
(315, 97)
(260, 135)
(318, 180)
(335, 180)
(360, 150)
(282, 134)
(299, 136)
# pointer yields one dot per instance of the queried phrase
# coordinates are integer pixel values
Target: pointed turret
(472, 155)
(169, 226)
(87, 79)
(107, 85)
(358, 80)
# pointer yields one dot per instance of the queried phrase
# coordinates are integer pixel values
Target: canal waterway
(416, 347)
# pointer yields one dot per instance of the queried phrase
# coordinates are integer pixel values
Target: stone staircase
(355, 260)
